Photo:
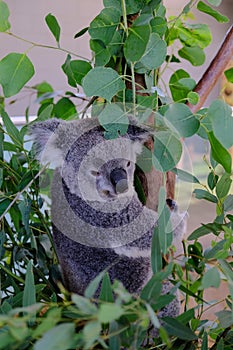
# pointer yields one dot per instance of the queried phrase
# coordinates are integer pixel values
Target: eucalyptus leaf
(181, 119)
(15, 71)
(177, 329)
(215, 2)
(223, 186)
(136, 42)
(107, 83)
(81, 32)
(194, 54)
(167, 151)
(114, 120)
(219, 153)
(194, 34)
(60, 337)
(181, 84)
(104, 25)
(54, 27)
(211, 278)
(65, 109)
(11, 129)
(155, 52)
(229, 74)
(109, 312)
(91, 333)
(158, 25)
(4, 15)
(29, 293)
(156, 255)
(201, 6)
(203, 194)
(185, 176)
(101, 53)
(193, 97)
(220, 116)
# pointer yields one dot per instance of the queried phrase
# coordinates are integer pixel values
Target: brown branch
(214, 71)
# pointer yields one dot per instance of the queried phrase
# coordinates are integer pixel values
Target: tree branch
(214, 71)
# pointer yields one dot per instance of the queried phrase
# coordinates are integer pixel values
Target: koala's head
(92, 167)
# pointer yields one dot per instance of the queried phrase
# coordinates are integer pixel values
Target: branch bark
(214, 71)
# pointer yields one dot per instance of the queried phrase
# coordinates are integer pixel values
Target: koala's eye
(128, 164)
(95, 173)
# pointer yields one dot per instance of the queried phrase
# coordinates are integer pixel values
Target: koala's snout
(119, 180)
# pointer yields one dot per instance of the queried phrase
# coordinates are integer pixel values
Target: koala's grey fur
(102, 227)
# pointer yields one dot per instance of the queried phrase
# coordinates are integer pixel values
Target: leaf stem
(45, 46)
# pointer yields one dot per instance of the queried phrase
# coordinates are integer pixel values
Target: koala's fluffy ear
(139, 132)
(45, 141)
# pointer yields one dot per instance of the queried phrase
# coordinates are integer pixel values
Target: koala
(98, 221)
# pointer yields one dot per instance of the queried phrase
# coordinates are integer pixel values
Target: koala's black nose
(118, 178)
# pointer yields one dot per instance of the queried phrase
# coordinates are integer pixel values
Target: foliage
(35, 311)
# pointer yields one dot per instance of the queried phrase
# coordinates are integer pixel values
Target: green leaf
(193, 97)
(102, 53)
(79, 69)
(15, 71)
(155, 52)
(225, 318)
(215, 2)
(81, 32)
(212, 180)
(53, 316)
(91, 333)
(29, 293)
(104, 25)
(109, 312)
(136, 42)
(176, 328)
(229, 74)
(201, 6)
(181, 119)
(54, 27)
(185, 176)
(106, 290)
(11, 129)
(84, 304)
(223, 186)
(67, 70)
(195, 55)
(181, 84)
(114, 120)
(219, 153)
(164, 223)
(65, 109)
(204, 345)
(156, 256)
(158, 25)
(228, 203)
(93, 285)
(4, 15)
(167, 151)
(211, 278)
(107, 83)
(25, 209)
(220, 115)
(203, 194)
(60, 337)
(152, 290)
(195, 35)
(153, 317)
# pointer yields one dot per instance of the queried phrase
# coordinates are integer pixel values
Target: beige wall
(27, 19)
